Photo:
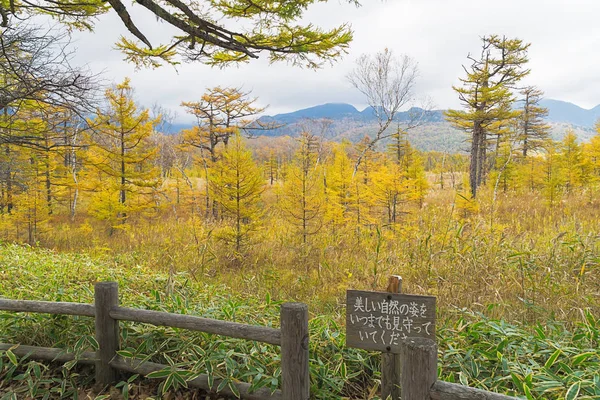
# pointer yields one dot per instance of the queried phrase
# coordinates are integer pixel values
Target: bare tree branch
(388, 85)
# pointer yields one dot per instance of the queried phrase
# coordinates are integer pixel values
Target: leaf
(12, 358)
(167, 384)
(573, 391)
(540, 332)
(234, 389)
(463, 379)
(179, 380)
(222, 385)
(125, 353)
(36, 371)
(552, 359)
(517, 381)
(528, 392)
(163, 373)
(580, 358)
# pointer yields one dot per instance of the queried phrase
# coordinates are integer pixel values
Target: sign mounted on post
(381, 321)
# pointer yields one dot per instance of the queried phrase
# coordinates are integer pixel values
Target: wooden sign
(381, 321)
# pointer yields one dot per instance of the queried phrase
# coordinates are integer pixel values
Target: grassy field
(517, 287)
(524, 261)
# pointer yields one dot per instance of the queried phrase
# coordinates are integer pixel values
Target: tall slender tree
(533, 131)
(302, 195)
(238, 184)
(487, 98)
(122, 153)
(572, 163)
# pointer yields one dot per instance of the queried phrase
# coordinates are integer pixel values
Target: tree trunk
(47, 176)
(473, 167)
(122, 195)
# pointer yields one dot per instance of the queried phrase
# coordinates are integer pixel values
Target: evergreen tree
(487, 98)
(533, 131)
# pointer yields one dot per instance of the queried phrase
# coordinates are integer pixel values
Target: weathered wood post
(294, 352)
(391, 367)
(419, 357)
(106, 296)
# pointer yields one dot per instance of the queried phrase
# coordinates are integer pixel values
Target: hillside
(569, 113)
(346, 122)
(337, 121)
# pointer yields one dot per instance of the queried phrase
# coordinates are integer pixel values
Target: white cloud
(437, 33)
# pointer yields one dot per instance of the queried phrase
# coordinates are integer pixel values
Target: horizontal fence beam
(48, 307)
(225, 328)
(136, 366)
(48, 353)
(451, 391)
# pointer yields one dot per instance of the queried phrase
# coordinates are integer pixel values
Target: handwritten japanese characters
(381, 321)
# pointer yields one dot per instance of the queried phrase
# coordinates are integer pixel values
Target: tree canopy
(215, 32)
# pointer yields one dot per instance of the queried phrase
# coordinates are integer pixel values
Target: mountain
(344, 121)
(336, 121)
(329, 110)
(343, 111)
(562, 111)
(558, 111)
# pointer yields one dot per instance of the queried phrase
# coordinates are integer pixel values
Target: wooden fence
(292, 337)
(418, 379)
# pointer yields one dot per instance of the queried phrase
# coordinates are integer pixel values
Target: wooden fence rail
(418, 380)
(48, 307)
(292, 337)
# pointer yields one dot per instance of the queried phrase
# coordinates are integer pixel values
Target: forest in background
(210, 201)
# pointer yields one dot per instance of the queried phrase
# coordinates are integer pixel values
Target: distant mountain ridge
(558, 111)
(328, 110)
(344, 111)
(565, 112)
(347, 122)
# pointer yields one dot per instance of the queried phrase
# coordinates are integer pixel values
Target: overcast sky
(438, 34)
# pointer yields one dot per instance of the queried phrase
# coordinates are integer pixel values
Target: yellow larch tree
(389, 190)
(24, 207)
(573, 167)
(302, 196)
(126, 179)
(237, 184)
(553, 176)
(591, 153)
(340, 184)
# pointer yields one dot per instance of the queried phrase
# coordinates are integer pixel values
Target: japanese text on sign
(381, 321)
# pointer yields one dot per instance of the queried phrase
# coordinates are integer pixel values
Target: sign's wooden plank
(381, 321)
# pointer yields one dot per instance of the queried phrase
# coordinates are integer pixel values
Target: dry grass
(519, 259)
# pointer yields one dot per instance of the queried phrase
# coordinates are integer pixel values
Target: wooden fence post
(295, 375)
(106, 296)
(391, 367)
(419, 357)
